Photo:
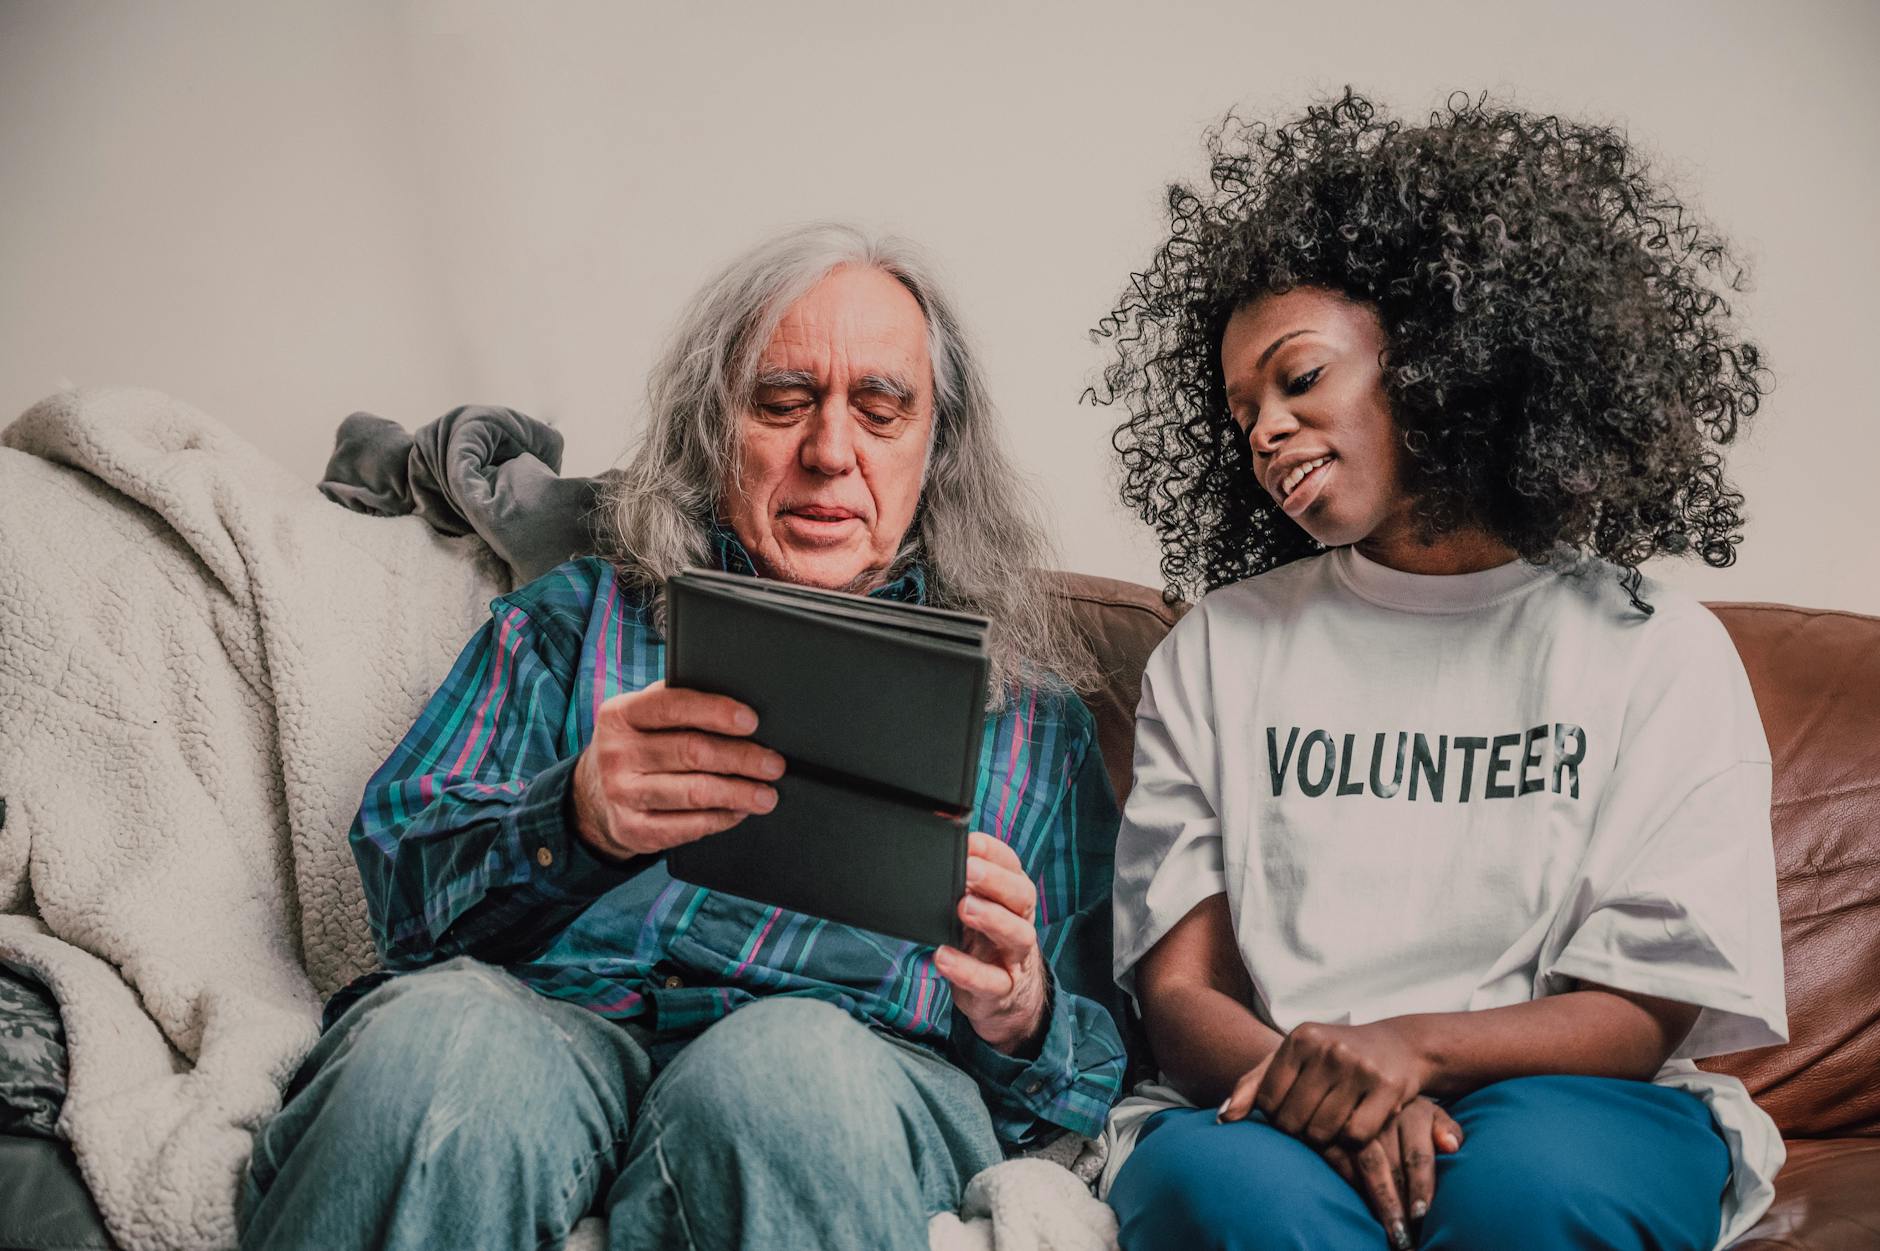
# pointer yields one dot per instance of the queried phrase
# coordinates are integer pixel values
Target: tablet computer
(878, 708)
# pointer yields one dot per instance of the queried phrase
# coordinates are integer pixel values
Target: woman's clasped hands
(1355, 1094)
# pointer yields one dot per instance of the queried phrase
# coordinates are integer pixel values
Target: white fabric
(1434, 794)
(201, 662)
(1025, 1205)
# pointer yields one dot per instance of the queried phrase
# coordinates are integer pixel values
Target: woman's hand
(1334, 1084)
(1396, 1171)
(999, 979)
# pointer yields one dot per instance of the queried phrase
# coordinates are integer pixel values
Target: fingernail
(1399, 1236)
(1419, 1210)
(975, 869)
(766, 801)
(1221, 1115)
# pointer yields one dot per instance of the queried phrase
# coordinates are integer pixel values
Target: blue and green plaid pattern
(465, 846)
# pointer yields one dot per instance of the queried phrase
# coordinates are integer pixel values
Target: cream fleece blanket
(201, 662)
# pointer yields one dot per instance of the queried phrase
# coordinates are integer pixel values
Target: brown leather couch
(1816, 675)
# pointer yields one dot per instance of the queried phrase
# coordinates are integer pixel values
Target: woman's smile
(1303, 484)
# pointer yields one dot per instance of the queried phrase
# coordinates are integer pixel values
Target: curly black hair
(1560, 356)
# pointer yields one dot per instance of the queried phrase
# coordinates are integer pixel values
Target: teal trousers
(1547, 1164)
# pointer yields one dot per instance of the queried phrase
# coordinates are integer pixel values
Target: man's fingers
(1009, 887)
(986, 847)
(1377, 1182)
(664, 830)
(971, 974)
(1012, 935)
(662, 707)
(693, 751)
(691, 792)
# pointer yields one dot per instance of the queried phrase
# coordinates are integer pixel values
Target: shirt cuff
(1012, 1084)
(541, 826)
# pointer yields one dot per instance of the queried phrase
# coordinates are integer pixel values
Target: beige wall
(285, 212)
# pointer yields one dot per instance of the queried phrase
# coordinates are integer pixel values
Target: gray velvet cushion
(43, 1204)
(32, 1056)
(491, 471)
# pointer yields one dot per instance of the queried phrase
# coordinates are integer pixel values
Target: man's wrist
(584, 821)
(1027, 1072)
(577, 802)
(1030, 1045)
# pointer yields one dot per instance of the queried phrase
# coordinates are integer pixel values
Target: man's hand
(999, 979)
(1334, 1084)
(666, 767)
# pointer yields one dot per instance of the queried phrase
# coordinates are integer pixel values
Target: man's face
(834, 441)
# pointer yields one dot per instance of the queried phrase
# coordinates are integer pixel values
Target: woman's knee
(1194, 1185)
(1565, 1162)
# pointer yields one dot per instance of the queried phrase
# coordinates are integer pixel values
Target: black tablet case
(877, 707)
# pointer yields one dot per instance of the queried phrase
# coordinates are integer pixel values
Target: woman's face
(1305, 381)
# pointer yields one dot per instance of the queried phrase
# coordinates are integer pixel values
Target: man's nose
(829, 440)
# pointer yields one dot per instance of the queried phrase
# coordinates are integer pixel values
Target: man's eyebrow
(786, 379)
(895, 387)
(1274, 346)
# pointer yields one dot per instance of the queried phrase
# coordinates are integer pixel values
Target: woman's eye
(1303, 383)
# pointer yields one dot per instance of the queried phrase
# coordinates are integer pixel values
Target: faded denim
(455, 1107)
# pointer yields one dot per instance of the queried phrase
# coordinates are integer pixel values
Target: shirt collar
(908, 585)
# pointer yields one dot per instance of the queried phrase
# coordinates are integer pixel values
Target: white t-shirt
(1433, 794)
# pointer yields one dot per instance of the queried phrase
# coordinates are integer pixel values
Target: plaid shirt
(466, 848)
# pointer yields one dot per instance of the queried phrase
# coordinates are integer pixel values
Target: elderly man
(563, 1027)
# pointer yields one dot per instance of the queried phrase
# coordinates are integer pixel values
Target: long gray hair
(977, 530)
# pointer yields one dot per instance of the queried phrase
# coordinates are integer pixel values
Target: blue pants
(1547, 1164)
(457, 1108)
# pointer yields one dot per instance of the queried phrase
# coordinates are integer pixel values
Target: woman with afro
(1449, 846)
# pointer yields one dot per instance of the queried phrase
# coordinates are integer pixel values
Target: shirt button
(1034, 1087)
(674, 981)
(544, 857)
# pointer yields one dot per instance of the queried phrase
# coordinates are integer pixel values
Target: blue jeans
(1547, 1164)
(455, 1107)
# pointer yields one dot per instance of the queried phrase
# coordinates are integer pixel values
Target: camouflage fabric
(32, 1056)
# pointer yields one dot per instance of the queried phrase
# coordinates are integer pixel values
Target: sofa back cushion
(1816, 675)
(1122, 622)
